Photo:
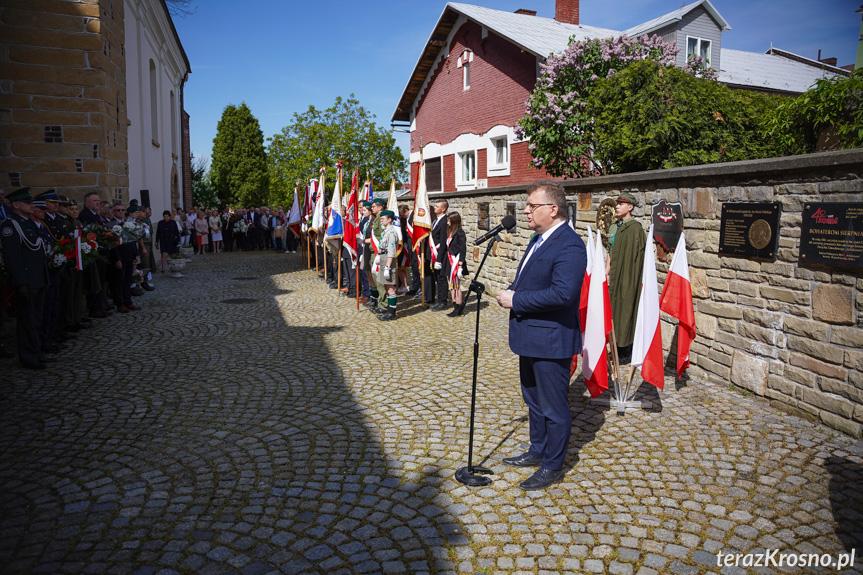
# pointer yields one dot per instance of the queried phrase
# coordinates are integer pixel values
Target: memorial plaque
(832, 234)
(667, 219)
(510, 209)
(482, 215)
(750, 229)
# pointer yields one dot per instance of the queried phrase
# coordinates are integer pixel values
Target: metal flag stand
(621, 398)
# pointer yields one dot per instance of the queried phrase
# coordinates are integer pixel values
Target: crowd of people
(214, 231)
(60, 259)
(389, 264)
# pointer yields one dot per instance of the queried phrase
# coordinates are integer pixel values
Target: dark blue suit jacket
(543, 321)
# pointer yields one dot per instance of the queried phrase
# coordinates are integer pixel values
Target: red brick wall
(501, 78)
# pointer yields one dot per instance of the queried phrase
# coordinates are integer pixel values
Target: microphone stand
(473, 475)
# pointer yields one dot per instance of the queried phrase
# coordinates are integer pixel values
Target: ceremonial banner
(422, 216)
(318, 216)
(351, 223)
(294, 215)
(393, 206)
(335, 224)
(647, 347)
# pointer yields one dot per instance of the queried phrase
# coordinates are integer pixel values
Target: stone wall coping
(748, 168)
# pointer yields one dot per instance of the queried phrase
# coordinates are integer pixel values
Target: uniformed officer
(377, 229)
(51, 305)
(27, 265)
(386, 260)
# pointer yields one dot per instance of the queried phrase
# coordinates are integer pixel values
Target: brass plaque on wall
(750, 229)
(482, 215)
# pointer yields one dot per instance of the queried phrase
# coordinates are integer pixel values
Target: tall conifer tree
(238, 168)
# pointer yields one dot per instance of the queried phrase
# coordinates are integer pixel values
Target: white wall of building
(155, 129)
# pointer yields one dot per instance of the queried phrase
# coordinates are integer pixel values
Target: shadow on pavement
(205, 437)
(846, 500)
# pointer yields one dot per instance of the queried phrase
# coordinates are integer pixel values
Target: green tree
(203, 193)
(831, 111)
(648, 116)
(556, 123)
(318, 138)
(239, 165)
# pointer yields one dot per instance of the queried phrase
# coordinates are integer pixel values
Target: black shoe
(147, 287)
(439, 306)
(454, 313)
(523, 460)
(352, 295)
(370, 304)
(33, 365)
(376, 310)
(137, 292)
(542, 479)
(413, 292)
(388, 315)
(48, 360)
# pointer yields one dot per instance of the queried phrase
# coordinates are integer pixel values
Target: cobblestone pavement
(290, 434)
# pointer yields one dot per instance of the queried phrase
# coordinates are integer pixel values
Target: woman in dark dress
(167, 237)
(455, 266)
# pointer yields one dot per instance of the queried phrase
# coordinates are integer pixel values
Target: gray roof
(675, 16)
(540, 36)
(767, 71)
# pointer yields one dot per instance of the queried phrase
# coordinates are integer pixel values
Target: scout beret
(627, 198)
(388, 213)
(20, 195)
(366, 204)
(71, 202)
(380, 201)
(133, 208)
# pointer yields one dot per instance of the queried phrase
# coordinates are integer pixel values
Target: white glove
(438, 265)
(388, 273)
(458, 273)
(378, 260)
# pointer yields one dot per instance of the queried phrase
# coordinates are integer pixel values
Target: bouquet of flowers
(102, 236)
(137, 277)
(241, 226)
(130, 231)
(66, 249)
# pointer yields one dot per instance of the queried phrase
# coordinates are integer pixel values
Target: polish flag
(647, 346)
(318, 220)
(598, 325)
(421, 221)
(582, 305)
(676, 300)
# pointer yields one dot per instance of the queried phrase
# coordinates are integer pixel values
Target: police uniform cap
(49, 196)
(40, 204)
(20, 195)
(380, 201)
(627, 198)
(388, 213)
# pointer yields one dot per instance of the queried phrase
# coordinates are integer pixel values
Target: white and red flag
(293, 220)
(582, 303)
(676, 300)
(318, 220)
(647, 345)
(79, 262)
(594, 365)
(422, 217)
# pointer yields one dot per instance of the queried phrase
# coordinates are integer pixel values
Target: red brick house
(468, 89)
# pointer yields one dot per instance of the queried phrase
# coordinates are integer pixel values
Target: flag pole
(357, 251)
(423, 273)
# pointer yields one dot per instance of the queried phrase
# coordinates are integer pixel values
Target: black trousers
(50, 312)
(442, 286)
(27, 323)
(229, 240)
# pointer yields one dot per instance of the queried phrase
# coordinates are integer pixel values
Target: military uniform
(27, 266)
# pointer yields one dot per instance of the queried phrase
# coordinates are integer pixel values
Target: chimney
(566, 11)
(526, 12)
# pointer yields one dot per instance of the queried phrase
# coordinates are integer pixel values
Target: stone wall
(62, 97)
(790, 333)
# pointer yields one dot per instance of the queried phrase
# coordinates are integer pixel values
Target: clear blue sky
(282, 56)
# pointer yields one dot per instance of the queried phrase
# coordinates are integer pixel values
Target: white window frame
(464, 62)
(497, 134)
(460, 168)
(698, 43)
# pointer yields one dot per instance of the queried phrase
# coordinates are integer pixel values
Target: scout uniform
(27, 266)
(378, 297)
(624, 278)
(389, 245)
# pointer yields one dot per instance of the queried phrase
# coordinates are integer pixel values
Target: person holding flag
(544, 330)
(375, 236)
(293, 219)
(420, 227)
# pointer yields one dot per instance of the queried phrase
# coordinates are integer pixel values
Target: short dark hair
(444, 202)
(554, 191)
(88, 194)
(166, 213)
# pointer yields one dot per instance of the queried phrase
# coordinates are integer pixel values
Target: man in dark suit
(544, 330)
(437, 244)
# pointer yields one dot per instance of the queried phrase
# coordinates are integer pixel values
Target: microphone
(505, 224)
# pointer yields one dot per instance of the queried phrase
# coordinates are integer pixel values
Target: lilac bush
(554, 122)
